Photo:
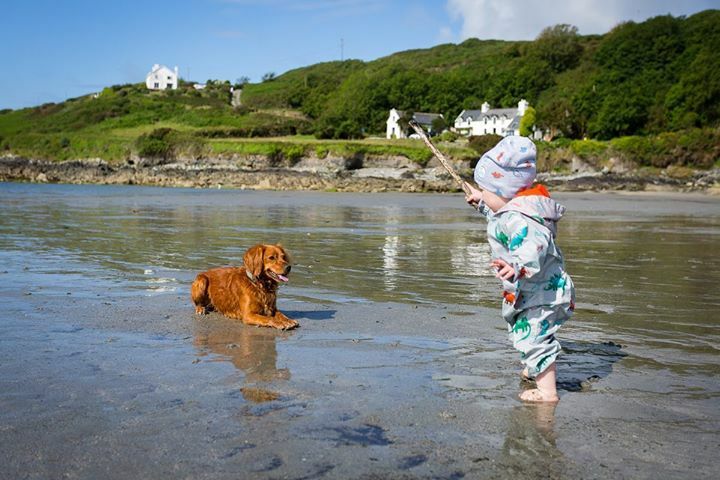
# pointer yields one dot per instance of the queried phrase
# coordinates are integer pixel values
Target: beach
(401, 367)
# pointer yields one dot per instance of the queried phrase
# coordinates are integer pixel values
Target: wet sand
(401, 368)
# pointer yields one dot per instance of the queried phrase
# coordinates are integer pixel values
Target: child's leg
(546, 390)
(533, 335)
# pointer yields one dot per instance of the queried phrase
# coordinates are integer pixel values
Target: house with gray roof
(487, 121)
(395, 130)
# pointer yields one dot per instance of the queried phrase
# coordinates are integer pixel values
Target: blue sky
(53, 50)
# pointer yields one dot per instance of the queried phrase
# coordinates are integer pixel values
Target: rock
(618, 165)
(580, 166)
(394, 173)
(353, 174)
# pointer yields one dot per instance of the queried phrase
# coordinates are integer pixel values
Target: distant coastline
(356, 174)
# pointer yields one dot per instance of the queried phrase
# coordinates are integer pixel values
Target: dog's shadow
(583, 363)
(310, 314)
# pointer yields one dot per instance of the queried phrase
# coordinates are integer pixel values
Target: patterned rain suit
(541, 296)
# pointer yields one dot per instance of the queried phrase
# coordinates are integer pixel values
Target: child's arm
(526, 245)
(484, 199)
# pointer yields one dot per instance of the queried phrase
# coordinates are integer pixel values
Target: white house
(162, 78)
(498, 121)
(394, 130)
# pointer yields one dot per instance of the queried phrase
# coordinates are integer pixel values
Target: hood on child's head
(508, 167)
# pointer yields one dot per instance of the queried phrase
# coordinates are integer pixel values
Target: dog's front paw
(200, 310)
(290, 324)
(284, 323)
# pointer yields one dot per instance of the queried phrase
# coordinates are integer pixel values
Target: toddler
(538, 294)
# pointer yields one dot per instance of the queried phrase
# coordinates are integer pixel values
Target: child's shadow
(311, 315)
(583, 363)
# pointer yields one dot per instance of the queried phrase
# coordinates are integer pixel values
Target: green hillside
(649, 92)
(640, 78)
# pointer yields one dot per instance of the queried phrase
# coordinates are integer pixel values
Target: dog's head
(269, 261)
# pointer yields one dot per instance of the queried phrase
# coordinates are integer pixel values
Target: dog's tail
(199, 293)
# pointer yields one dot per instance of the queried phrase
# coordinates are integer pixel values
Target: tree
(438, 125)
(557, 118)
(527, 122)
(623, 112)
(268, 77)
(695, 99)
(559, 46)
(404, 120)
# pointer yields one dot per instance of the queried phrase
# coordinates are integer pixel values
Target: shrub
(168, 143)
(294, 152)
(588, 149)
(483, 143)
(154, 144)
(327, 128)
(641, 150)
(527, 122)
(448, 136)
(321, 151)
(349, 130)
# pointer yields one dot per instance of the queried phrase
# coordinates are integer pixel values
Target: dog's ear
(253, 259)
(286, 254)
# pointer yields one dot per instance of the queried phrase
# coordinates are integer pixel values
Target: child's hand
(475, 195)
(503, 270)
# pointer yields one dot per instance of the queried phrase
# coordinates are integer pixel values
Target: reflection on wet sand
(251, 350)
(530, 448)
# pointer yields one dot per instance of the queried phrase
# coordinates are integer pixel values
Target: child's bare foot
(546, 390)
(525, 376)
(535, 395)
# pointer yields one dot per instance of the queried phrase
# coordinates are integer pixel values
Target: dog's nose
(287, 269)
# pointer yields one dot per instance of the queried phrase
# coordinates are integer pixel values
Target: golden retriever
(247, 293)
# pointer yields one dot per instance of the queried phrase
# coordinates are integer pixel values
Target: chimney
(522, 106)
(485, 107)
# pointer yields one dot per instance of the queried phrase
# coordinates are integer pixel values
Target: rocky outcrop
(353, 174)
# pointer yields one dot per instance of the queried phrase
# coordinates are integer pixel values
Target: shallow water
(400, 326)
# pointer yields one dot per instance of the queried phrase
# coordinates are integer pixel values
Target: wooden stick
(443, 161)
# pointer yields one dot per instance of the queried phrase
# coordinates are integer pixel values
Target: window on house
(157, 85)
(170, 78)
(494, 130)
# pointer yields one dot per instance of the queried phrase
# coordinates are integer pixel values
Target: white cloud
(525, 19)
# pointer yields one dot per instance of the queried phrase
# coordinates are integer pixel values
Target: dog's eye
(271, 257)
